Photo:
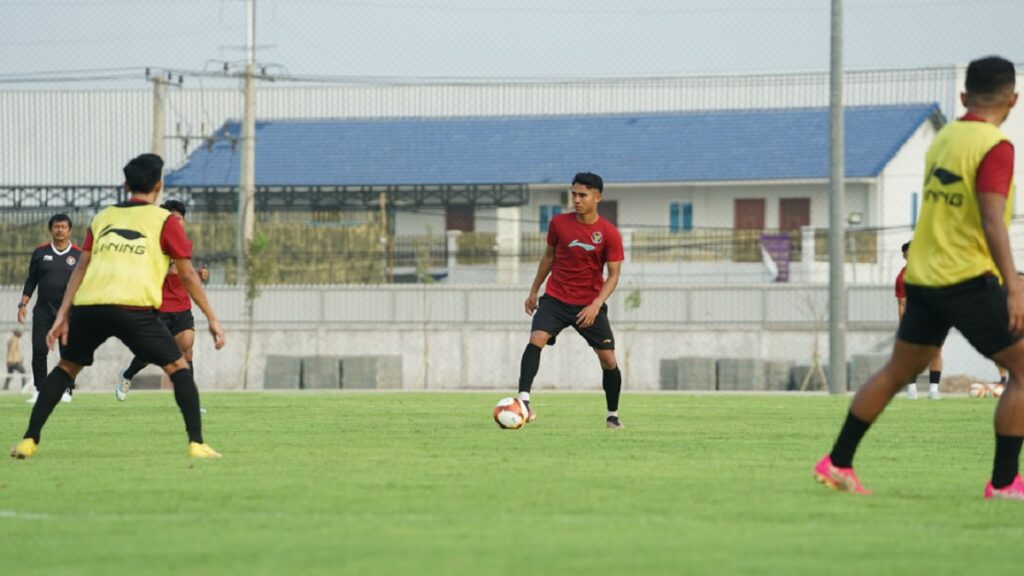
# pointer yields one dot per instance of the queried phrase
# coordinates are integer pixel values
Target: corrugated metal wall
(60, 137)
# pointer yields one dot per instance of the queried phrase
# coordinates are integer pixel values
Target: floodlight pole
(247, 171)
(837, 208)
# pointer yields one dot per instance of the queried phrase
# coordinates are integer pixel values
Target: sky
(109, 41)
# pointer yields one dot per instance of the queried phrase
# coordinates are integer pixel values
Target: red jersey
(581, 250)
(175, 296)
(901, 288)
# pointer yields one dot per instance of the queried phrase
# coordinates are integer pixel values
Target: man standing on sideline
(175, 313)
(935, 367)
(960, 274)
(116, 291)
(49, 270)
(579, 247)
(15, 363)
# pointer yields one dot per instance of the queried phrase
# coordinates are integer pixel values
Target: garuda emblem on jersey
(71, 260)
(596, 237)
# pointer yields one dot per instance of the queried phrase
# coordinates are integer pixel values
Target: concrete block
(740, 374)
(777, 374)
(282, 373)
(800, 371)
(371, 372)
(668, 368)
(147, 381)
(695, 373)
(321, 372)
(862, 367)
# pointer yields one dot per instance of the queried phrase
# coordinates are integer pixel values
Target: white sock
(911, 387)
(933, 387)
(524, 396)
(613, 413)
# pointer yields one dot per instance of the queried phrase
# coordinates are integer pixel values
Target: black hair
(174, 206)
(905, 247)
(62, 217)
(590, 180)
(143, 172)
(989, 75)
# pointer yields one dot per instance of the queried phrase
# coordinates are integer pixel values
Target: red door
(748, 214)
(609, 210)
(794, 213)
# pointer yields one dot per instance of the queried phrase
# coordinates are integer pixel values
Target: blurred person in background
(15, 363)
(935, 368)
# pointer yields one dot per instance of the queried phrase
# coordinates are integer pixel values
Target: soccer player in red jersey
(935, 368)
(580, 245)
(175, 313)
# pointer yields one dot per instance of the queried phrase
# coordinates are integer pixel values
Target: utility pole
(837, 218)
(247, 171)
(159, 92)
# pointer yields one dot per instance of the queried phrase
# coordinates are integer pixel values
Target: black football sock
(50, 391)
(187, 396)
(849, 437)
(611, 381)
(134, 368)
(1007, 461)
(528, 367)
(934, 376)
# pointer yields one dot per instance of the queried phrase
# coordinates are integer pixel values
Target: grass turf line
(416, 483)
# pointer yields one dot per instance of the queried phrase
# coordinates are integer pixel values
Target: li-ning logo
(114, 246)
(586, 247)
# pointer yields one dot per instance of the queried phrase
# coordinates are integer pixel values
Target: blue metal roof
(665, 147)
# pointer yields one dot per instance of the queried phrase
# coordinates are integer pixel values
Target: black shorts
(977, 308)
(140, 330)
(553, 315)
(177, 322)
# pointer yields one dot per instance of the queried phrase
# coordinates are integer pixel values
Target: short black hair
(590, 180)
(143, 172)
(989, 75)
(61, 217)
(906, 246)
(174, 206)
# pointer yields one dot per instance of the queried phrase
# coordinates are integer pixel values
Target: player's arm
(901, 307)
(543, 269)
(993, 206)
(587, 316)
(30, 286)
(190, 278)
(59, 330)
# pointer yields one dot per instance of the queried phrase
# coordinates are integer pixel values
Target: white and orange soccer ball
(510, 413)
(979, 390)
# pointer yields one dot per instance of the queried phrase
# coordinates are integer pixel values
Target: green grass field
(404, 483)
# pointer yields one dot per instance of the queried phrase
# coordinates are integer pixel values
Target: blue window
(680, 216)
(913, 209)
(547, 213)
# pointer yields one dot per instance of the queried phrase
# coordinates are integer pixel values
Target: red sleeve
(613, 250)
(173, 241)
(87, 245)
(552, 233)
(996, 170)
(901, 288)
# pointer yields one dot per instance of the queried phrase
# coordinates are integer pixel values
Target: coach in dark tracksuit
(49, 271)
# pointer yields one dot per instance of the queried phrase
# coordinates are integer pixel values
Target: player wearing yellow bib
(116, 291)
(958, 260)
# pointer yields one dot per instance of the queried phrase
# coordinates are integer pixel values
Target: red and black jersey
(49, 271)
(581, 251)
(901, 288)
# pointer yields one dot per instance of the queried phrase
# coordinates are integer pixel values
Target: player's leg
(549, 319)
(600, 337)
(935, 376)
(88, 328)
(42, 320)
(148, 338)
(124, 378)
(1009, 423)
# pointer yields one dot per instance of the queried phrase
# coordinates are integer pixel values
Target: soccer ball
(510, 413)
